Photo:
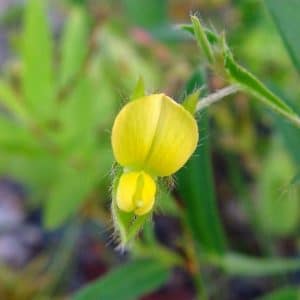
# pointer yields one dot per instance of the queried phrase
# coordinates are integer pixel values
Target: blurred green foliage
(142, 277)
(54, 132)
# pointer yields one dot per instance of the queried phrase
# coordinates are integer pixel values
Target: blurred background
(228, 230)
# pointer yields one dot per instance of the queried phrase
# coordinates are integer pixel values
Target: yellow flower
(151, 136)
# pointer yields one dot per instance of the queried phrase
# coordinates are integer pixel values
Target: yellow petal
(175, 140)
(155, 134)
(136, 192)
(134, 129)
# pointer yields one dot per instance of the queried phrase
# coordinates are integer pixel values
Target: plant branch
(217, 96)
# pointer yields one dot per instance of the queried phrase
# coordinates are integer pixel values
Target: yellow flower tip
(155, 134)
(136, 192)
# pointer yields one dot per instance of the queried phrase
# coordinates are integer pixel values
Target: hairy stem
(232, 89)
(217, 96)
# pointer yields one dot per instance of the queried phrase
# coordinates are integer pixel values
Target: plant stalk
(216, 97)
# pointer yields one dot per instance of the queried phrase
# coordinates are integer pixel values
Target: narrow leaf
(286, 18)
(242, 265)
(67, 195)
(14, 138)
(128, 282)
(196, 185)
(289, 133)
(37, 78)
(287, 293)
(145, 13)
(202, 39)
(250, 83)
(74, 44)
(11, 101)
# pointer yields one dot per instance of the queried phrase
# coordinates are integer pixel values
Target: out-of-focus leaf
(14, 138)
(279, 200)
(289, 133)
(128, 282)
(166, 203)
(105, 100)
(196, 185)
(251, 84)
(67, 195)
(286, 18)
(146, 13)
(74, 44)
(77, 114)
(36, 171)
(37, 77)
(296, 179)
(10, 100)
(242, 265)
(117, 51)
(287, 293)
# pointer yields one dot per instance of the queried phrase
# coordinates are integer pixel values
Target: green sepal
(202, 39)
(126, 225)
(139, 89)
(191, 100)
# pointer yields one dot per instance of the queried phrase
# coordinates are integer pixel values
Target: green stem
(232, 89)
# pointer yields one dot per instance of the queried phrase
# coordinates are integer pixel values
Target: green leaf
(251, 84)
(296, 179)
(78, 114)
(196, 185)
(286, 18)
(139, 90)
(202, 39)
(145, 13)
(166, 203)
(289, 133)
(128, 282)
(67, 195)
(37, 81)
(286, 293)
(11, 101)
(242, 265)
(74, 44)
(279, 201)
(37, 172)
(15, 139)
